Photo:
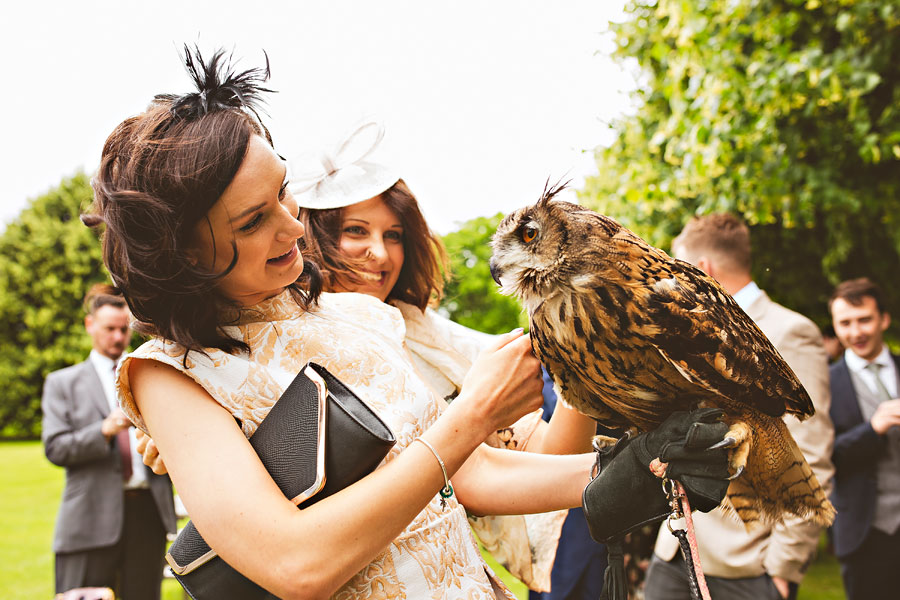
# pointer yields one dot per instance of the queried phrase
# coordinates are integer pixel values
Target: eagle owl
(631, 335)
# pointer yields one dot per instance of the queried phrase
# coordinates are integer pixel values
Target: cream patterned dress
(361, 341)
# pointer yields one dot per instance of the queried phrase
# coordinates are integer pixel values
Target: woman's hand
(146, 447)
(505, 382)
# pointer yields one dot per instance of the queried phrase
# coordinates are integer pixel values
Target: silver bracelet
(447, 490)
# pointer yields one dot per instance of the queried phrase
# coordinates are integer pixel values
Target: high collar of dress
(277, 308)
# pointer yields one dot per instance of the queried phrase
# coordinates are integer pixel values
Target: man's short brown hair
(103, 294)
(721, 235)
(853, 291)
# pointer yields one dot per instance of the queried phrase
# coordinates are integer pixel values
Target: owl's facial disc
(520, 260)
(508, 265)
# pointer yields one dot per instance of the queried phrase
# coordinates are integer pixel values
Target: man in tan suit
(769, 561)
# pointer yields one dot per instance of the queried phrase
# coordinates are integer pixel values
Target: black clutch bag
(317, 439)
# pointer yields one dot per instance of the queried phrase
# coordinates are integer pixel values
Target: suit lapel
(842, 387)
(91, 379)
(896, 358)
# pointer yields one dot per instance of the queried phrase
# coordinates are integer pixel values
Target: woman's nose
(290, 229)
(377, 250)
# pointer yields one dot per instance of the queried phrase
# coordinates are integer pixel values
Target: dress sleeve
(151, 350)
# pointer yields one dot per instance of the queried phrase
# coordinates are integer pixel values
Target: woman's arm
(296, 554)
(505, 482)
(568, 432)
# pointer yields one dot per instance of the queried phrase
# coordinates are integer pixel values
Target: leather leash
(687, 540)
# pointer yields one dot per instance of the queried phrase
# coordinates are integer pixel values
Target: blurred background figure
(833, 346)
(866, 413)
(115, 513)
(769, 561)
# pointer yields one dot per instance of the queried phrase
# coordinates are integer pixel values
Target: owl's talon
(727, 442)
(737, 474)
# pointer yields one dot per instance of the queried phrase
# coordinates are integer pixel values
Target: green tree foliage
(48, 260)
(471, 297)
(786, 112)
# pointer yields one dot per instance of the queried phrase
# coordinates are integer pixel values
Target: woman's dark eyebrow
(248, 211)
(253, 209)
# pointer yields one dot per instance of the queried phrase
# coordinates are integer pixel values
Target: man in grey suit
(768, 561)
(115, 512)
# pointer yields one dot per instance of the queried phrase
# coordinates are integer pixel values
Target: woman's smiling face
(373, 233)
(259, 215)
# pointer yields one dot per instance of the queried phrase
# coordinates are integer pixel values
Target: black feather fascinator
(219, 86)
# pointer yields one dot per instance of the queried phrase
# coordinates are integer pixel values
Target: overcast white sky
(482, 100)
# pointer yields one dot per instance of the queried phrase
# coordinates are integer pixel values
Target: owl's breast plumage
(600, 366)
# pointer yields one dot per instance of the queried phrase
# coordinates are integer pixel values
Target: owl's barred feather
(631, 335)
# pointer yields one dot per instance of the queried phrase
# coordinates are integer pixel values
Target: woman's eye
(528, 234)
(283, 191)
(354, 230)
(253, 223)
(394, 236)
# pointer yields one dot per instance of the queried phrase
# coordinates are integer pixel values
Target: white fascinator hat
(341, 177)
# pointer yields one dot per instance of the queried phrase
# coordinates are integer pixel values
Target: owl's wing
(701, 330)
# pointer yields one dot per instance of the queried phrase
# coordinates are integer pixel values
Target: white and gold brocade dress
(359, 339)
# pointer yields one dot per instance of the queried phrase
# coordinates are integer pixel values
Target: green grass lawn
(30, 491)
(823, 580)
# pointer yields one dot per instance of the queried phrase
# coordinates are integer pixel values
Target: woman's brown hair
(159, 175)
(425, 263)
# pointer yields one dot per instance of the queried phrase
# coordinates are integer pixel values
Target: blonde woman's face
(371, 232)
(259, 214)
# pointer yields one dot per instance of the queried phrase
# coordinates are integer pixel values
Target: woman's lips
(285, 258)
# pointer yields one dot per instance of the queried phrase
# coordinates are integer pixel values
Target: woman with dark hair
(202, 237)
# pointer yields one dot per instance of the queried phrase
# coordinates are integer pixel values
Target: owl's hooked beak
(495, 271)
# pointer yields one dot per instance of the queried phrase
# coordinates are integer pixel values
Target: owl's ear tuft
(551, 190)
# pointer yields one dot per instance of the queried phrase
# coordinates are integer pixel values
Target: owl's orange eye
(528, 234)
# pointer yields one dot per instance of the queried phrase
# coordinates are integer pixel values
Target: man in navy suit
(866, 412)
